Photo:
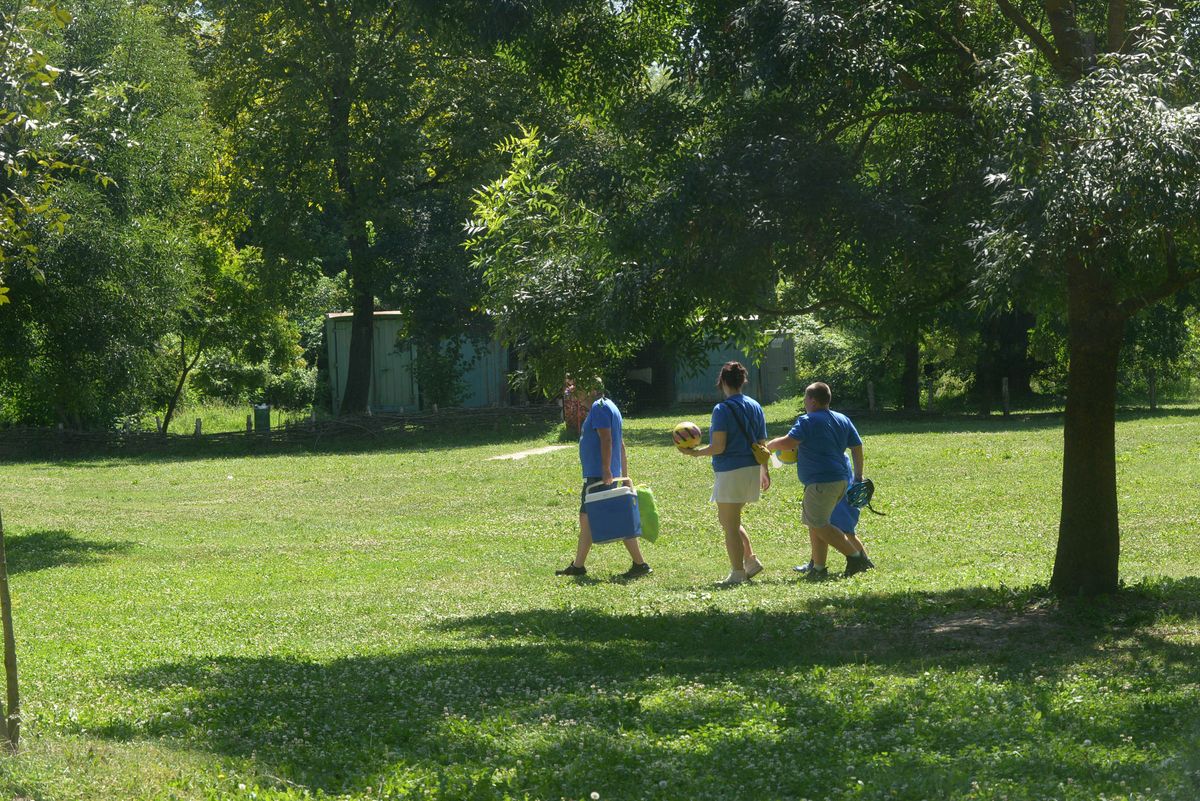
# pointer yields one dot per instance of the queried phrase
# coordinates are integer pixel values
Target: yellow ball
(787, 457)
(686, 435)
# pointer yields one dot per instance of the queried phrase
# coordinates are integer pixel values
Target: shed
(394, 388)
(778, 360)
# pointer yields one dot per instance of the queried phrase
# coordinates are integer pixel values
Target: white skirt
(737, 486)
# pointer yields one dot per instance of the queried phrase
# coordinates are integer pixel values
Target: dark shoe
(571, 570)
(857, 564)
(815, 573)
(804, 568)
(637, 571)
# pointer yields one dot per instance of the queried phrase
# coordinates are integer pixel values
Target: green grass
(383, 623)
(218, 418)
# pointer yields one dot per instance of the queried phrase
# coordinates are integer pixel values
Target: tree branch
(917, 108)
(966, 54)
(1013, 15)
(1176, 280)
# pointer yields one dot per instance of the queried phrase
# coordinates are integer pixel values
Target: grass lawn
(385, 624)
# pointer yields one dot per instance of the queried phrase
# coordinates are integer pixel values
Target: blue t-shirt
(824, 436)
(737, 448)
(603, 414)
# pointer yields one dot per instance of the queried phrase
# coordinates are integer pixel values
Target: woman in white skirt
(739, 478)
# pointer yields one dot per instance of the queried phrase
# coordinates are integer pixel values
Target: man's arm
(856, 456)
(784, 443)
(605, 435)
(624, 459)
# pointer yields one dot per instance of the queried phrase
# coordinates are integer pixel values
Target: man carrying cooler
(602, 454)
(820, 438)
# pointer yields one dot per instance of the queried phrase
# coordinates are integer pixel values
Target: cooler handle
(616, 480)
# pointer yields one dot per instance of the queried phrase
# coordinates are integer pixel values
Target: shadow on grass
(928, 691)
(39, 550)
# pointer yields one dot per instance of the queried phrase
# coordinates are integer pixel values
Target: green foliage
(1161, 340)
(83, 344)
(41, 144)
(354, 132)
(556, 291)
(1106, 168)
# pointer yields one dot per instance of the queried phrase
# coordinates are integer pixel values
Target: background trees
(95, 289)
(355, 132)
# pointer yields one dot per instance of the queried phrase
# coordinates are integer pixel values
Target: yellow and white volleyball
(787, 457)
(686, 435)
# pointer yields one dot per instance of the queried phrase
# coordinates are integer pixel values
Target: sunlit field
(383, 622)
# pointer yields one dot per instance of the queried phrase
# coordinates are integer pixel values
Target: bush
(294, 389)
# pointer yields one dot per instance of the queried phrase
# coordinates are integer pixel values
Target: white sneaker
(753, 567)
(734, 577)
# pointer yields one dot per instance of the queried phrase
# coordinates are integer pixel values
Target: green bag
(648, 512)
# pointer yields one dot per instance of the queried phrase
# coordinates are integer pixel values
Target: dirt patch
(991, 628)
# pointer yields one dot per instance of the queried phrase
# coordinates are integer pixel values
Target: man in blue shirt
(820, 438)
(602, 456)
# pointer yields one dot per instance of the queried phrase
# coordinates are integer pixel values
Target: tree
(1097, 177)
(350, 124)
(80, 342)
(36, 137)
(224, 307)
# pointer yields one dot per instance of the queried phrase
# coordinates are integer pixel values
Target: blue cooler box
(613, 513)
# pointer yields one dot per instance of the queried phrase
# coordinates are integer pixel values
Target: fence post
(199, 426)
(929, 400)
(1152, 376)
(249, 424)
(871, 395)
(1004, 395)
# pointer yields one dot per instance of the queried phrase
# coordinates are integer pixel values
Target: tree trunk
(360, 270)
(12, 716)
(184, 371)
(1089, 540)
(910, 379)
(362, 341)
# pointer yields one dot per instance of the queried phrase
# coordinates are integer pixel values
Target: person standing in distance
(738, 478)
(820, 438)
(603, 457)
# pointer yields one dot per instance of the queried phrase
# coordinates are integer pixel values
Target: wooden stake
(12, 719)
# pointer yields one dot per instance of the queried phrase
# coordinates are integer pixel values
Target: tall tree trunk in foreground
(1089, 540)
(12, 716)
